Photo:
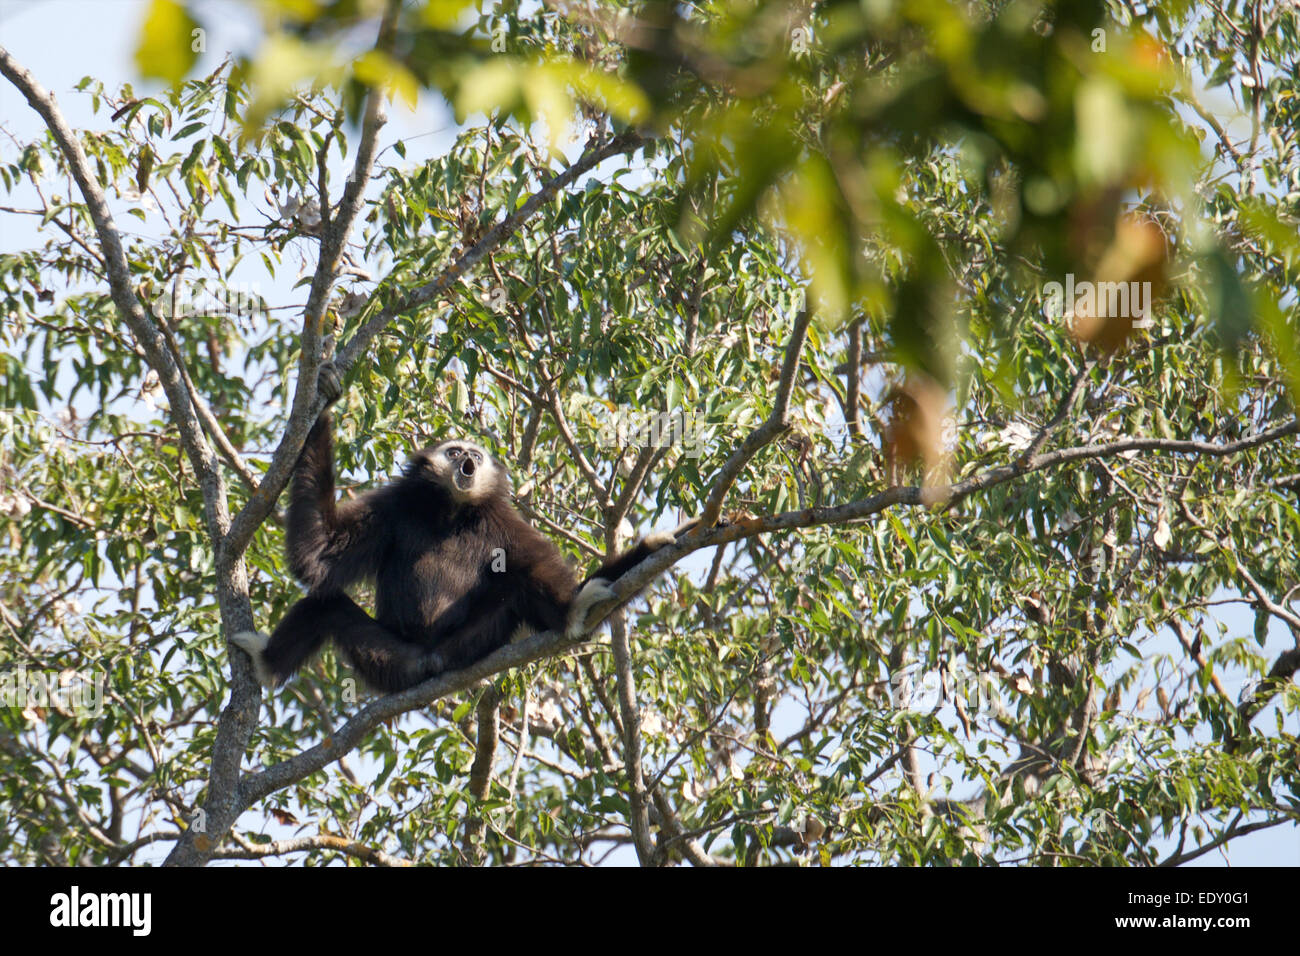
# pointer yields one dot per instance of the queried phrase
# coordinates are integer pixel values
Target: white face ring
(465, 469)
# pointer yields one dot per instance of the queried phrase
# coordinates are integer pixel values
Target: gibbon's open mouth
(464, 475)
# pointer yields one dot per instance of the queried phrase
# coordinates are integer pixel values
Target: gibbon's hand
(661, 539)
(329, 384)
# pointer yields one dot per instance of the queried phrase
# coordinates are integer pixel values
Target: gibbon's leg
(596, 588)
(616, 568)
(298, 635)
(478, 638)
(382, 658)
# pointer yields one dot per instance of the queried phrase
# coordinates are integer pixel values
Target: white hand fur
(253, 643)
(592, 593)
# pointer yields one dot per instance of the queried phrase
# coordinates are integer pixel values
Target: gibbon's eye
(478, 459)
(453, 452)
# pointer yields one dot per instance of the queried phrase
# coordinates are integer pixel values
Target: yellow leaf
(282, 63)
(1105, 139)
(444, 14)
(305, 11)
(378, 69)
(167, 48)
(811, 211)
(548, 98)
(620, 98)
(494, 85)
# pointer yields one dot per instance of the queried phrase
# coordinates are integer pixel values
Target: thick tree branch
(488, 714)
(254, 787)
(307, 403)
(853, 381)
(239, 718)
(630, 716)
(246, 850)
(1234, 830)
(951, 494)
(674, 832)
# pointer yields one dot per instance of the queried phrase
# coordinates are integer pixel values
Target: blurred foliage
(1062, 116)
(925, 168)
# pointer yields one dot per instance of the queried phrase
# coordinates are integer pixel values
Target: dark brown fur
(440, 605)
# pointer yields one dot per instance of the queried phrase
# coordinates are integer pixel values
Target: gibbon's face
(468, 471)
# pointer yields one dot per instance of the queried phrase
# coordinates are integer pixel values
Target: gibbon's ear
(253, 643)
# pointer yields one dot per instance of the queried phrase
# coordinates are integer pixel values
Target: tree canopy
(976, 323)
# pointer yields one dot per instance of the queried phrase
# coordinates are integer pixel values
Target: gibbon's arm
(615, 568)
(596, 587)
(329, 545)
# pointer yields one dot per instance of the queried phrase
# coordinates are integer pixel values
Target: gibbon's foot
(431, 665)
(253, 643)
(329, 383)
(392, 666)
(592, 593)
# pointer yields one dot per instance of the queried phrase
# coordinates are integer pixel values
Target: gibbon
(458, 572)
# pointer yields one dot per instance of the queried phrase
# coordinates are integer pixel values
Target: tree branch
(247, 850)
(277, 475)
(593, 156)
(142, 327)
(1283, 669)
(1233, 831)
(760, 436)
(254, 787)
(239, 717)
(307, 403)
(488, 714)
(630, 716)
